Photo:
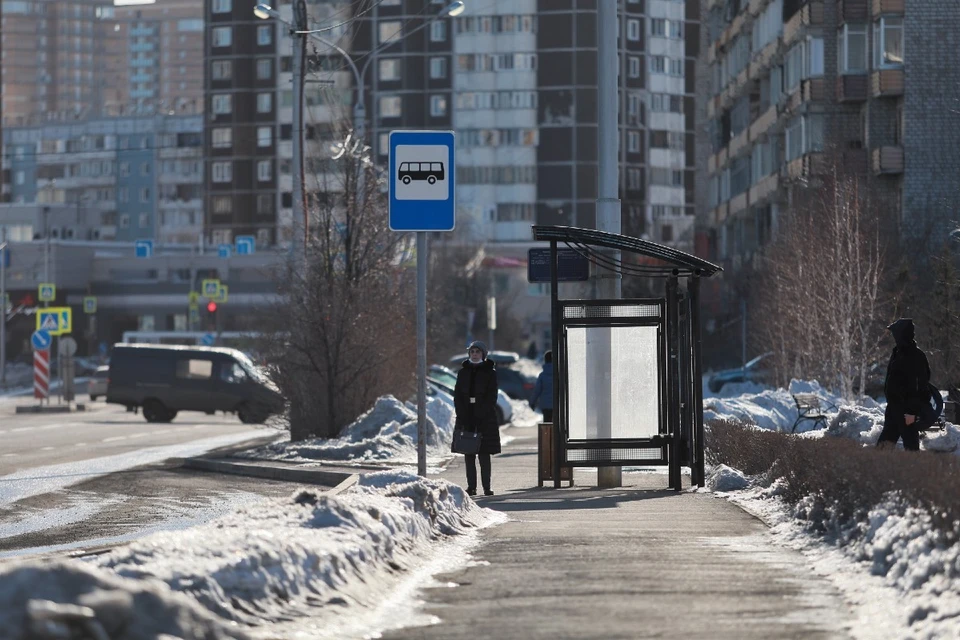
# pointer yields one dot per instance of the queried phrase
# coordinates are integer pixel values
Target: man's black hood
(903, 332)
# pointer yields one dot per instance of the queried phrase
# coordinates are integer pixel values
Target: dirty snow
(309, 566)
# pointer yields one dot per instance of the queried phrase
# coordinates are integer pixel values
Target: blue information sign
(422, 181)
(224, 250)
(143, 248)
(246, 245)
(40, 340)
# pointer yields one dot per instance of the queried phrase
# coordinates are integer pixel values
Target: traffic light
(211, 307)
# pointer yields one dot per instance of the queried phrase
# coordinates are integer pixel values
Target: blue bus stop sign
(422, 181)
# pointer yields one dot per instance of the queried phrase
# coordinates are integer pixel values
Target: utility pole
(3, 306)
(298, 243)
(608, 200)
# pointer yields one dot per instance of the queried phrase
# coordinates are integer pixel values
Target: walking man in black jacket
(907, 388)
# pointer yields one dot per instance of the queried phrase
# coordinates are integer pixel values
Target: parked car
(753, 371)
(166, 379)
(498, 357)
(446, 380)
(97, 385)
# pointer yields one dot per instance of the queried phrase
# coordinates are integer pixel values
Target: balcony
(852, 88)
(765, 189)
(762, 124)
(738, 203)
(804, 167)
(887, 7)
(756, 6)
(738, 143)
(810, 15)
(888, 160)
(761, 61)
(885, 83)
(720, 213)
(853, 11)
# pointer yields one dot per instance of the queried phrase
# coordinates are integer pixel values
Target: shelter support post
(673, 381)
(697, 468)
(559, 405)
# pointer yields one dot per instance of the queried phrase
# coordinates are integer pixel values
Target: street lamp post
(3, 306)
(299, 28)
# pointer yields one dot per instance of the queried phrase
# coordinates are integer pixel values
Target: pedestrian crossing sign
(90, 304)
(47, 292)
(211, 289)
(222, 294)
(56, 321)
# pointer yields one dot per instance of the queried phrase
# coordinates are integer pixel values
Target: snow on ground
(896, 571)
(386, 434)
(772, 409)
(310, 566)
(523, 415)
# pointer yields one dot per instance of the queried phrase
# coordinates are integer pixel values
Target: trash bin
(545, 457)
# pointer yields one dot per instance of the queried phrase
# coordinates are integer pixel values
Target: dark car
(515, 384)
(753, 371)
(165, 380)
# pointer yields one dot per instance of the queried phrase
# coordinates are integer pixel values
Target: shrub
(844, 479)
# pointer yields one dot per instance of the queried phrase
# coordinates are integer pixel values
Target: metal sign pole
(422, 353)
(3, 306)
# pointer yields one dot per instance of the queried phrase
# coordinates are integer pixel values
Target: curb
(307, 476)
(33, 408)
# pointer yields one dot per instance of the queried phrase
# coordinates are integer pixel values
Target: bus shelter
(627, 373)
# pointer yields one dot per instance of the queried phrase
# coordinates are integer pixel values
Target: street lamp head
(455, 9)
(265, 11)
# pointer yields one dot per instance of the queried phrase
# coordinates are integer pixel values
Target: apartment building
(163, 56)
(126, 178)
(61, 59)
(794, 87)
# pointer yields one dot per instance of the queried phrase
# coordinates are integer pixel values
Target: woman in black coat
(475, 400)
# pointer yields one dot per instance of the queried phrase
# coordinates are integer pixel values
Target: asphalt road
(98, 478)
(28, 441)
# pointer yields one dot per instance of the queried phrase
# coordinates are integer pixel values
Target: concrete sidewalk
(636, 562)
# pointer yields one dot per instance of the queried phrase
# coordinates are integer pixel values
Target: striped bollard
(41, 374)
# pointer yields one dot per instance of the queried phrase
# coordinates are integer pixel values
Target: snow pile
(523, 415)
(527, 367)
(859, 423)
(385, 433)
(772, 409)
(946, 441)
(334, 559)
(733, 389)
(724, 478)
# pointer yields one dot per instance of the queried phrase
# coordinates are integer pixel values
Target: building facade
(794, 88)
(127, 178)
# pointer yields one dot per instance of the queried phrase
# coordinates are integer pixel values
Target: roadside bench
(810, 407)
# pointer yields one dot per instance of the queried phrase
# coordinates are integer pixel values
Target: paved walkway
(635, 562)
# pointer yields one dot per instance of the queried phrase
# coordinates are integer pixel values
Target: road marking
(114, 439)
(47, 448)
(80, 444)
(8, 455)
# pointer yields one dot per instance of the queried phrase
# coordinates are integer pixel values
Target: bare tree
(823, 295)
(342, 334)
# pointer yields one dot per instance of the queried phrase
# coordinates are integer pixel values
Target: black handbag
(466, 442)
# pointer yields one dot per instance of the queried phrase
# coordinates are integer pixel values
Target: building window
(145, 194)
(222, 69)
(633, 179)
(888, 42)
(222, 138)
(264, 136)
(390, 107)
(389, 30)
(265, 203)
(438, 68)
(20, 177)
(438, 106)
(852, 48)
(222, 6)
(384, 144)
(634, 66)
(123, 194)
(144, 220)
(633, 141)
(222, 204)
(814, 58)
(264, 69)
(222, 104)
(124, 221)
(265, 34)
(222, 172)
(390, 69)
(144, 168)
(264, 102)
(222, 36)
(633, 30)
(264, 171)
(438, 31)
